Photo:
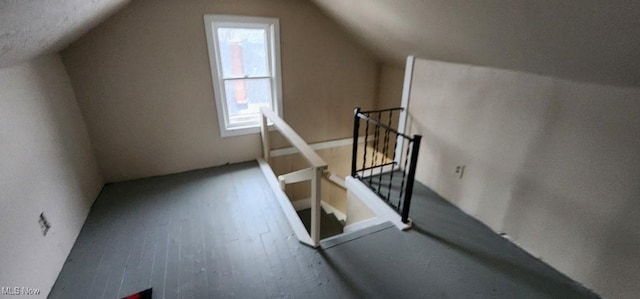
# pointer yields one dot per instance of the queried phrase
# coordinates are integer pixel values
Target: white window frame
(211, 23)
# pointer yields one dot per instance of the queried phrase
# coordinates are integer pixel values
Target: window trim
(273, 36)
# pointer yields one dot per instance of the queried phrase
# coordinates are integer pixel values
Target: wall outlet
(460, 170)
(44, 224)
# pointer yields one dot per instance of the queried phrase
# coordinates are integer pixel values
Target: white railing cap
(307, 152)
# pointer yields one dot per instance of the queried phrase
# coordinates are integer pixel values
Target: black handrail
(376, 122)
(406, 166)
(383, 110)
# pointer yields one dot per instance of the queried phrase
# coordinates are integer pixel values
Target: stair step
(329, 224)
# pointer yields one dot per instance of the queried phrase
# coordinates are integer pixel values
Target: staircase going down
(329, 224)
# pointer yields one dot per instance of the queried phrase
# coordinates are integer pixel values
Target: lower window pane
(244, 99)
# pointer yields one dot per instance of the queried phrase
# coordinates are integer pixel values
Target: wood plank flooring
(220, 233)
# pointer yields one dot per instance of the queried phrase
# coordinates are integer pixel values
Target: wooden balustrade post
(316, 197)
(264, 133)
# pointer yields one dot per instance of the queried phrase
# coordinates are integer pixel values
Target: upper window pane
(243, 52)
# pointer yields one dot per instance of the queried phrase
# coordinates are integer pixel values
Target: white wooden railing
(314, 173)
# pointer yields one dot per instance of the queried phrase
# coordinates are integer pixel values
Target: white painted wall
(584, 40)
(553, 163)
(143, 83)
(390, 86)
(46, 165)
(356, 210)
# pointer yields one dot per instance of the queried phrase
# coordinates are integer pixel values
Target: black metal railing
(386, 170)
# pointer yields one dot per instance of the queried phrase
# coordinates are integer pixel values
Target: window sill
(243, 131)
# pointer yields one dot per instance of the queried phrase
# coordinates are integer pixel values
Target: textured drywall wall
(390, 86)
(586, 40)
(143, 82)
(46, 165)
(553, 163)
(29, 28)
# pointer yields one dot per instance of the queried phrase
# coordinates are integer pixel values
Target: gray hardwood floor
(220, 233)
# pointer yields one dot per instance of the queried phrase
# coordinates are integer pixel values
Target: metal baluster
(386, 142)
(375, 153)
(354, 146)
(385, 149)
(411, 178)
(366, 138)
(395, 145)
(376, 141)
(404, 174)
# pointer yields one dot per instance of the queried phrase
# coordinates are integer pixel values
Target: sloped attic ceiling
(30, 28)
(585, 40)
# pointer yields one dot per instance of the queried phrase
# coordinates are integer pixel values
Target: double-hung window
(244, 53)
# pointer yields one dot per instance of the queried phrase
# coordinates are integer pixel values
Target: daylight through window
(244, 56)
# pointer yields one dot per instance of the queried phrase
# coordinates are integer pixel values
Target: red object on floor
(146, 294)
